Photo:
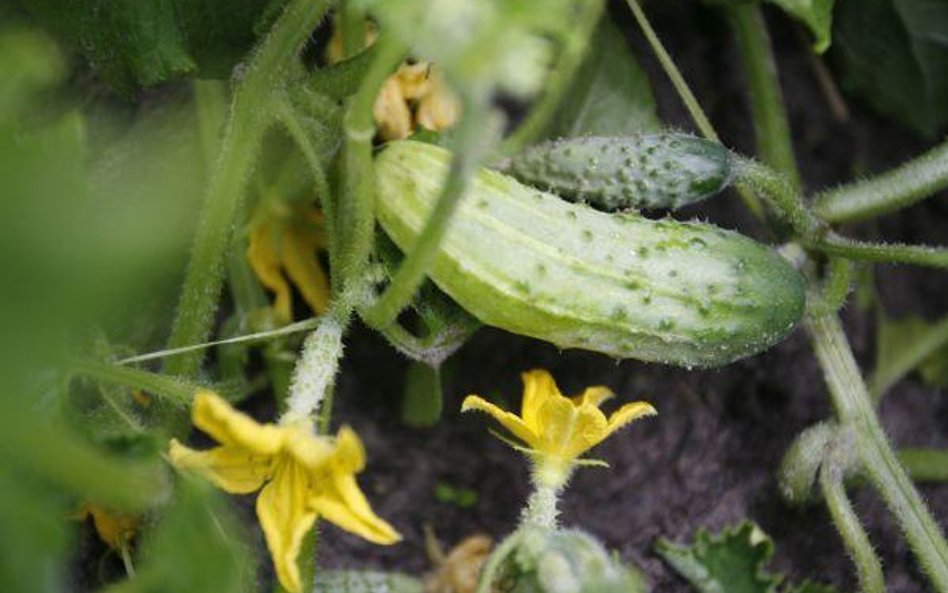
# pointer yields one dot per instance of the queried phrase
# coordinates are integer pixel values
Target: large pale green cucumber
(526, 261)
(667, 170)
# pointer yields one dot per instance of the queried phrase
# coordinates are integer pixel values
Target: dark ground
(709, 459)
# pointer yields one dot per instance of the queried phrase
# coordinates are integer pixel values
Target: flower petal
(538, 388)
(440, 108)
(628, 413)
(569, 431)
(232, 469)
(341, 502)
(265, 262)
(303, 269)
(212, 414)
(285, 518)
(304, 446)
(511, 422)
(391, 111)
(593, 396)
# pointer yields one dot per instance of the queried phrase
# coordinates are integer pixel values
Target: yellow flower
(115, 529)
(303, 476)
(558, 429)
(416, 95)
(287, 249)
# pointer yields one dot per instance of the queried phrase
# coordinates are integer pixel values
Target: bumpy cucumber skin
(630, 172)
(528, 262)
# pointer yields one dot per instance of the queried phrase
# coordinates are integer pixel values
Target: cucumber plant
(423, 243)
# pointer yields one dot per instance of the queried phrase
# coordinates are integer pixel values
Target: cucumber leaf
(610, 94)
(894, 54)
(133, 44)
(733, 561)
(817, 15)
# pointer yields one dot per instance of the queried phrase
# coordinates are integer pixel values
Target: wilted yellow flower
(286, 249)
(416, 95)
(115, 529)
(303, 476)
(555, 428)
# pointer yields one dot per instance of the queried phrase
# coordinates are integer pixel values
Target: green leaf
(194, 547)
(815, 14)
(894, 54)
(134, 44)
(35, 536)
(610, 94)
(907, 344)
(733, 561)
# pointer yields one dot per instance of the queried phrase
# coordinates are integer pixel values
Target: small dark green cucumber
(630, 172)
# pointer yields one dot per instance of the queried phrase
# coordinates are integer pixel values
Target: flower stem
(411, 273)
(895, 189)
(868, 567)
(920, 255)
(226, 187)
(769, 114)
(316, 368)
(854, 407)
(175, 391)
(541, 508)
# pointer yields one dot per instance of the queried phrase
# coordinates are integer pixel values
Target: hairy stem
(226, 187)
(356, 216)
(903, 186)
(770, 117)
(175, 391)
(854, 407)
(919, 255)
(868, 567)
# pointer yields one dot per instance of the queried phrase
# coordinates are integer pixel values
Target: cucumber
(644, 171)
(528, 262)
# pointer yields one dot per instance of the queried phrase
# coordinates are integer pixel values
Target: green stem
(541, 509)
(854, 407)
(570, 58)
(684, 91)
(411, 273)
(920, 255)
(770, 117)
(356, 216)
(908, 358)
(176, 391)
(210, 98)
(903, 186)
(924, 464)
(868, 567)
(495, 561)
(290, 120)
(226, 188)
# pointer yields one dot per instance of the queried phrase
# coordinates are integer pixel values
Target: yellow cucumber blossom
(557, 429)
(282, 250)
(303, 476)
(416, 95)
(114, 528)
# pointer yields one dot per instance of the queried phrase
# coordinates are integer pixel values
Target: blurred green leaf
(610, 94)
(195, 547)
(907, 344)
(894, 54)
(139, 44)
(35, 534)
(817, 15)
(733, 561)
